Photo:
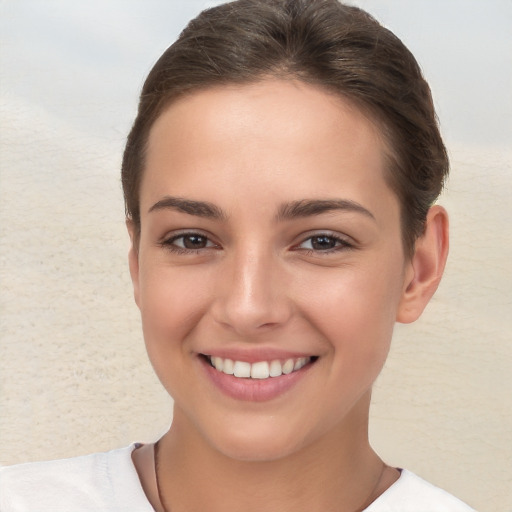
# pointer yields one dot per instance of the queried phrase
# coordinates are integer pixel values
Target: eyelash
(170, 245)
(340, 244)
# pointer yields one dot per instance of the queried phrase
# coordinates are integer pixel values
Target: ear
(133, 257)
(425, 268)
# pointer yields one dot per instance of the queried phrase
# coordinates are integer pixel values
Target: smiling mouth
(258, 370)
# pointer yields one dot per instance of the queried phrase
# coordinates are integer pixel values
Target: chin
(259, 441)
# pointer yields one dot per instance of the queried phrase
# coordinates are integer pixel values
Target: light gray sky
(83, 62)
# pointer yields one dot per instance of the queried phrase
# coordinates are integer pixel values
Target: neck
(338, 472)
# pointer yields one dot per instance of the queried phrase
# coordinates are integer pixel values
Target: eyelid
(168, 240)
(344, 242)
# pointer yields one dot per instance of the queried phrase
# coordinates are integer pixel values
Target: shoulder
(410, 493)
(101, 481)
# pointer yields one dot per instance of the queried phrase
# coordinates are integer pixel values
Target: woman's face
(269, 240)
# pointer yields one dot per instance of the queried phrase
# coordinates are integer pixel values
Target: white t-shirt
(109, 482)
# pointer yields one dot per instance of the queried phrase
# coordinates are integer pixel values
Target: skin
(260, 281)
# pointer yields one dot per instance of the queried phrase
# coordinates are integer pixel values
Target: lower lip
(253, 390)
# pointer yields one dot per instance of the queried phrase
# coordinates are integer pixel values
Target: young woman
(279, 182)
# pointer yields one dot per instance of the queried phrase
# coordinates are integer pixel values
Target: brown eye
(193, 242)
(322, 242)
(188, 242)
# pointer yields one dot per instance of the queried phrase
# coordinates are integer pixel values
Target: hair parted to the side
(322, 42)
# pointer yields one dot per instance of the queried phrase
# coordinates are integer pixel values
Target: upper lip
(255, 355)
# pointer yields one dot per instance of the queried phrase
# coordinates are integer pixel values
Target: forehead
(274, 134)
(285, 106)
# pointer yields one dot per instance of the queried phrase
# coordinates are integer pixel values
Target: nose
(252, 294)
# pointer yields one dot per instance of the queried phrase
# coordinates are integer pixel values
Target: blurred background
(74, 376)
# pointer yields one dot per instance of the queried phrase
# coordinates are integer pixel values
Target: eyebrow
(310, 207)
(287, 211)
(197, 208)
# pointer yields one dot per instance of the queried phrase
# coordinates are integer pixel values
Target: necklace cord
(366, 503)
(157, 467)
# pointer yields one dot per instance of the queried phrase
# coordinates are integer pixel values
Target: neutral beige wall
(74, 376)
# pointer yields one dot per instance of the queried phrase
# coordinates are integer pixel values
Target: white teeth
(299, 363)
(218, 363)
(242, 369)
(276, 370)
(288, 366)
(260, 369)
(228, 367)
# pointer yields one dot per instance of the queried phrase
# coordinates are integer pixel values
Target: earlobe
(133, 257)
(426, 266)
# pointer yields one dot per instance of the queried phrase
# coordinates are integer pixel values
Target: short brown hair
(323, 42)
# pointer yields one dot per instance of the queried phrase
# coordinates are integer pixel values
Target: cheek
(355, 311)
(171, 306)
(172, 302)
